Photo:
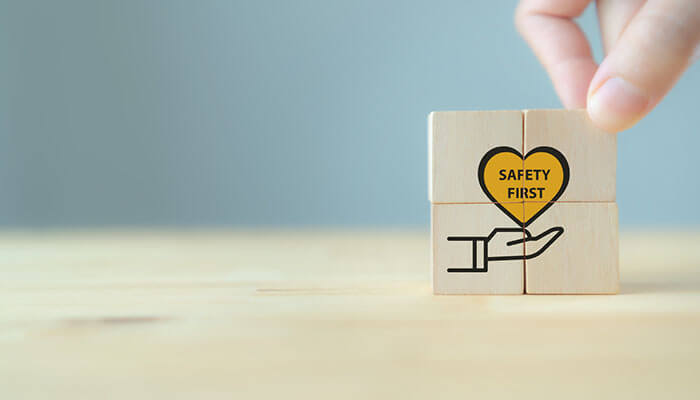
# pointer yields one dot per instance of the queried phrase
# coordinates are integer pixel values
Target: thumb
(645, 62)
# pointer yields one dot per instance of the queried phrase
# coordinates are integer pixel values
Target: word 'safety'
(522, 202)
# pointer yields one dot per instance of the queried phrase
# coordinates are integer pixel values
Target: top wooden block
(591, 153)
(458, 140)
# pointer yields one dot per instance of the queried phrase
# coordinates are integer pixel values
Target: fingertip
(616, 104)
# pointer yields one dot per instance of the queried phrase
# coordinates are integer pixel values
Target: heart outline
(541, 149)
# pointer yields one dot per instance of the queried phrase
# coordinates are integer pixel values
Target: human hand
(648, 45)
(509, 242)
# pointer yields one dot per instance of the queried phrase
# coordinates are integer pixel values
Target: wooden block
(469, 257)
(583, 259)
(457, 142)
(591, 153)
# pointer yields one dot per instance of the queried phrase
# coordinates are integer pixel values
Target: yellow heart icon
(523, 187)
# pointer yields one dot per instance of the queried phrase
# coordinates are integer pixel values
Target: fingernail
(617, 105)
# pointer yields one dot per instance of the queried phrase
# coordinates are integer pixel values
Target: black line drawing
(518, 236)
(542, 149)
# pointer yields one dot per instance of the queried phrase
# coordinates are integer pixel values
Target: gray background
(278, 112)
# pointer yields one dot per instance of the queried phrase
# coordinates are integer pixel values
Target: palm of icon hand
(504, 244)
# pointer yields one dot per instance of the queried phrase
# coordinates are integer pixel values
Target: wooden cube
(457, 142)
(590, 152)
(470, 255)
(522, 202)
(584, 259)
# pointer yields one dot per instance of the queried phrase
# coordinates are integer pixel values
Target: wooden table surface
(337, 315)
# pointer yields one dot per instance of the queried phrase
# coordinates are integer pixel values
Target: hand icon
(509, 241)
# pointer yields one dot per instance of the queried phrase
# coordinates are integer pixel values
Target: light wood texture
(590, 152)
(584, 259)
(457, 142)
(474, 220)
(329, 315)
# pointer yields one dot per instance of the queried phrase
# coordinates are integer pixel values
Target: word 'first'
(528, 175)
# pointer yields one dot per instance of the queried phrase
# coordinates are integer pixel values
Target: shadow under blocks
(522, 202)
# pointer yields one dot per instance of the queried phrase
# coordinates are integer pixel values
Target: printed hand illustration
(504, 244)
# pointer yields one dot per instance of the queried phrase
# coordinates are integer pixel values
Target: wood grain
(584, 259)
(460, 220)
(342, 315)
(457, 142)
(590, 152)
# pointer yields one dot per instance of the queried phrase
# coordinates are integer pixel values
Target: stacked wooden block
(522, 202)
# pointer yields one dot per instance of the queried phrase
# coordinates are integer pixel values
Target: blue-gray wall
(277, 112)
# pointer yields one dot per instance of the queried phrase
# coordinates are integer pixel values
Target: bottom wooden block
(584, 259)
(471, 252)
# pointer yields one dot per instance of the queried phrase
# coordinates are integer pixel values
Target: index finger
(560, 45)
